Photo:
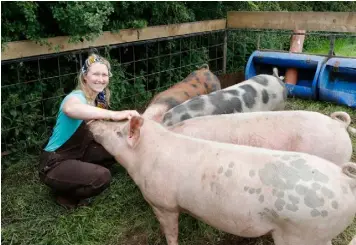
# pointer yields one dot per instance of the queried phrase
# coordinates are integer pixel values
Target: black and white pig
(259, 93)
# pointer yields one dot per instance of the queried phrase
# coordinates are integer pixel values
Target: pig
(199, 82)
(259, 93)
(247, 191)
(298, 131)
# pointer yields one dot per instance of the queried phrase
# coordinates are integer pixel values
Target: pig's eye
(119, 133)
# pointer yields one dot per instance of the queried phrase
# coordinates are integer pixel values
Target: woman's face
(97, 77)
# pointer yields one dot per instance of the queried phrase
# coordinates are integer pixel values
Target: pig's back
(264, 94)
(300, 131)
(199, 82)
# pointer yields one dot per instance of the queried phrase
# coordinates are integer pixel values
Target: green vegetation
(343, 46)
(39, 20)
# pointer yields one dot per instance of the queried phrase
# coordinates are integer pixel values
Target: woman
(72, 163)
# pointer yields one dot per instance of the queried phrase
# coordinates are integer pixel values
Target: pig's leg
(169, 224)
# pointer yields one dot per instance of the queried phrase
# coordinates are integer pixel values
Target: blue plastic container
(337, 81)
(309, 66)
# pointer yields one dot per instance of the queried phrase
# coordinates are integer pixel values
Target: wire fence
(33, 88)
(241, 44)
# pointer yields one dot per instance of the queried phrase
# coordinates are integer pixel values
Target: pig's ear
(134, 130)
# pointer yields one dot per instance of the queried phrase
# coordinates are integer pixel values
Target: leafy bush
(82, 19)
(19, 21)
(85, 20)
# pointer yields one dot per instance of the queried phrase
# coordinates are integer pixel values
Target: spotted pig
(299, 131)
(199, 82)
(259, 93)
(247, 191)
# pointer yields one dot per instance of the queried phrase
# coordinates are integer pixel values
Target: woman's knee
(103, 178)
(78, 178)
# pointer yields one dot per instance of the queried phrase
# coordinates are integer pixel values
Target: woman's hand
(122, 115)
(131, 113)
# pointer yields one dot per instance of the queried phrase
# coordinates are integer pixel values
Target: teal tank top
(65, 126)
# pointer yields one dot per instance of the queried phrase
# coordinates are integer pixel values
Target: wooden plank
(181, 29)
(310, 21)
(21, 49)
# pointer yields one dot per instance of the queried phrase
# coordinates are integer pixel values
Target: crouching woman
(72, 164)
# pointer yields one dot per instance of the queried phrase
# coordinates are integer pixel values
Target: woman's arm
(76, 109)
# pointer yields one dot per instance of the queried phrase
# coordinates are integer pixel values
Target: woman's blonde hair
(93, 58)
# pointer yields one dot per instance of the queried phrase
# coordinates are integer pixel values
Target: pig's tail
(349, 169)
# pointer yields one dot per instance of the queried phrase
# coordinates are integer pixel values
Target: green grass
(117, 216)
(342, 47)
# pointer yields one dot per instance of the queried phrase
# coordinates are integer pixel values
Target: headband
(91, 60)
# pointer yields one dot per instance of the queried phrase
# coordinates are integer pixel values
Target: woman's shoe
(66, 202)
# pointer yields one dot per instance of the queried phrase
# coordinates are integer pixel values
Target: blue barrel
(309, 66)
(337, 81)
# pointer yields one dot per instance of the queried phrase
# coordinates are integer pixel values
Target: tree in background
(86, 20)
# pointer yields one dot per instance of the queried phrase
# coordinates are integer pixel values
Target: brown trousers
(78, 169)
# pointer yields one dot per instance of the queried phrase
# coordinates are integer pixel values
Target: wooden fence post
(225, 52)
(296, 46)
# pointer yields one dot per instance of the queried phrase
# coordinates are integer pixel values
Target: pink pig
(299, 131)
(247, 191)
